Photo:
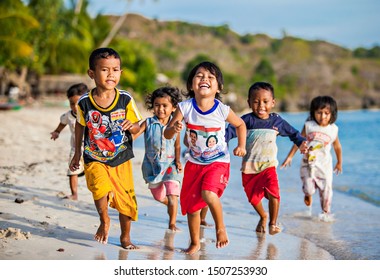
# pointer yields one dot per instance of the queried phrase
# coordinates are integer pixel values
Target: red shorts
(197, 178)
(256, 186)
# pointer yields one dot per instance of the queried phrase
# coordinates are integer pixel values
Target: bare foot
(71, 197)
(206, 224)
(274, 229)
(102, 233)
(307, 199)
(193, 248)
(128, 245)
(174, 228)
(221, 238)
(260, 228)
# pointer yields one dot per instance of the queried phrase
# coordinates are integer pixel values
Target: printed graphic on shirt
(105, 135)
(204, 143)
(261, 150)
(317, 141)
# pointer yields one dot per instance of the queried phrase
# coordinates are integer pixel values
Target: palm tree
(16, 51)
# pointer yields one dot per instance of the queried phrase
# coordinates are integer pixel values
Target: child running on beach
(193, 138)
(206, 172)
(317, 165)
(69, 118)
(162, 161)
(259, 175)
(108, 117)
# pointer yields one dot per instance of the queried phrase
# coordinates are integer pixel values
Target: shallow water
(353, 233)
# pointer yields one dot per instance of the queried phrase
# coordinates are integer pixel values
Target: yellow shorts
(114, 182)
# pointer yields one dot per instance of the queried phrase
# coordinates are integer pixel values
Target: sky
(347, 23)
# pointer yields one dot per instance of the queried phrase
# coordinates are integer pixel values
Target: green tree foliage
(264, 72)
(139, 68)
(16, 22)
(367, 53)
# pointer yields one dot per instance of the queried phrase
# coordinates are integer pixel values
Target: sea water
(353, 231)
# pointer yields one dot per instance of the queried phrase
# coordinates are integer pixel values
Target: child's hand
(126, 124)
(287, 162)
(179, 166)
(178, 126)
(239, 151)
(304, 148)
(54, 135)
(74, 164)
(338, 169)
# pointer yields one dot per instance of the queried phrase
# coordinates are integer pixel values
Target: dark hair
(214, 69)
(101, 53)
(76, 89)
(172, 92)
(258, 86)
(321, 102)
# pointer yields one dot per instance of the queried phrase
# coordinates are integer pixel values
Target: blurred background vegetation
(45, 45)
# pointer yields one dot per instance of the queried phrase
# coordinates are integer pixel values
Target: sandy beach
(36, 223)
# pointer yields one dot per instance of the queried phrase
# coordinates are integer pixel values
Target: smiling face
(107, 73)
(205, 83)
(261, 102)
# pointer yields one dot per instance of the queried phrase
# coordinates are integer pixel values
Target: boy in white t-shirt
(69, 118)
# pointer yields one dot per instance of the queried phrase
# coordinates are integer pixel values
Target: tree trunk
(114, 31)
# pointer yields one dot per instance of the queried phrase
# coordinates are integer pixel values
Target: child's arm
(141, 131)
(338, 152)
(185, 142)
(288, 160)
(293, 150)
(57, 131)
(79, 130)
(178, 153)
(175, 125)
(132, 127)
(241, 132)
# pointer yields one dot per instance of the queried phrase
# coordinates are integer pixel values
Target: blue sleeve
(230, 133)
(294, 135)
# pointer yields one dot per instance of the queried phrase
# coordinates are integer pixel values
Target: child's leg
(203, 217)
(102, 207)
(73, 180)
(308, 189)
(325, 196)
(172, 211)
(263, 217)
(274, 206)
(125, 238)
(193, 221)
(215, 206)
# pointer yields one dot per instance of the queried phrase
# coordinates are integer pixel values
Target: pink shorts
(163, 189)
(197, 178)
(256, 186)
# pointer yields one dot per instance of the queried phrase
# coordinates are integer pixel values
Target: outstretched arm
(132, 127)
(303, 148)
(175, 125)
(57, 131)
(141, 131)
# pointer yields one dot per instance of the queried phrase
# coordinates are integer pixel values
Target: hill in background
(298, 68)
